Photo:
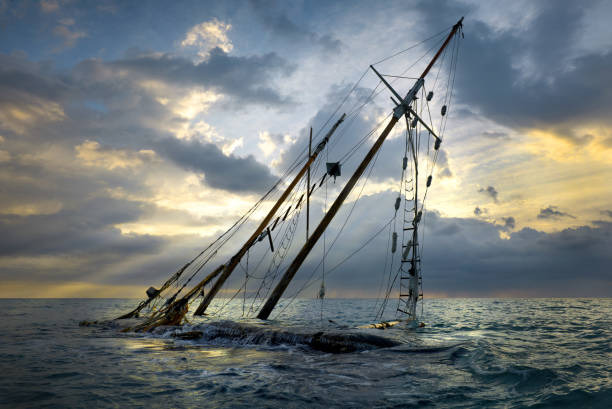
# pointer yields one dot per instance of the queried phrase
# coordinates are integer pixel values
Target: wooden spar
(264, 223)
(202, 283)
(196, 289)
(308, 186)
(399, 111)
(270, 239)
(456, 27)
(174, 313)
(264, 313)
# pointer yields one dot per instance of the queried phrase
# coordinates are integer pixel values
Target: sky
(132, 134)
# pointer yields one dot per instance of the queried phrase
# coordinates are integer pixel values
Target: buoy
(152, 292)
(394, 242)
(437, 144)
(397, 203)
(443, 110)
(429, 180)
(407, 250)
(430, 95)
(405, 163)
(418, 217)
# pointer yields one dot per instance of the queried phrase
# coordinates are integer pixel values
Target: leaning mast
(403, 108)
(235, 260)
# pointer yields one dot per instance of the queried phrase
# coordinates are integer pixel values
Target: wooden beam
(308, 186)
(264, 313)
(148, 301)
(202, 283)
(456, 27)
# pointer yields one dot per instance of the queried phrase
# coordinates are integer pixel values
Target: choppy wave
(473, 353)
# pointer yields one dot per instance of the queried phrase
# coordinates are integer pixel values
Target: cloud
(277, 22)
(528, 262)
(533, 76)
(269, 143)
(107, 159)
(496, 135)
(468, 257)
(480, 211)
(220, 171)
(28, 97)
(68, 33)
(92, 154)
(207, 36)
(86, 228)
(246, 79)
(489, 191)
(49, 6)
(442, 165)
(509, 223)
(389, 165)
(552, 212)
(107, 101)
(607, 213)
(573, 137)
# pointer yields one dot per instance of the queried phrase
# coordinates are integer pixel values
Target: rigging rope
(197, 263)
(371, 166)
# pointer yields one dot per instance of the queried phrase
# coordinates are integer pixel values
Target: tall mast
(308, 186)
(235, 260)
(399, 111)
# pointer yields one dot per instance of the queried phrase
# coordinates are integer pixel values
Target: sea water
(540, 353)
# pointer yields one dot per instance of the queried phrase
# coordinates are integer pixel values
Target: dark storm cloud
(276, 21)
(247, 79)
(509, 223)
(489, 191)
(223, 172)
(478, 261)
(552, 212)
(553, 90)
(467, 257)
(129, 117)
(20, 78)
(82, 232)
(79, 219)
(75, 230)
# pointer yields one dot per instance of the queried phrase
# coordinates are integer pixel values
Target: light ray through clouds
(131, 135)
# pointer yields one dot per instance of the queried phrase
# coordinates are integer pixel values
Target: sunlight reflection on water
(472, 353)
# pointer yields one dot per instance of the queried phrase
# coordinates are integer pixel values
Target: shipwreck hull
(334, 341)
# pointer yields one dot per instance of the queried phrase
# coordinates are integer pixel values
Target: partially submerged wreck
(198, 282)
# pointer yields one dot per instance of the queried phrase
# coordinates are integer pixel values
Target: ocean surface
(506, 353)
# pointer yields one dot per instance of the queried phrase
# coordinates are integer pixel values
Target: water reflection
(472, 353)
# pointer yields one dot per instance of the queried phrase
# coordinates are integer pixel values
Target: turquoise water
(473, 353)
